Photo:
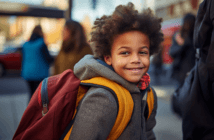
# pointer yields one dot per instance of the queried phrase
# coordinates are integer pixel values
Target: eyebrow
(125, 47)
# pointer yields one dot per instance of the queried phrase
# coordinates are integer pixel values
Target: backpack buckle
(197, 55)
(145, 96)
(45, 110)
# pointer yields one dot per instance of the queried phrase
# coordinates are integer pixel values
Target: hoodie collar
(104, 63)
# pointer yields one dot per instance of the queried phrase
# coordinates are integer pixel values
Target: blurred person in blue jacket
(35, 59)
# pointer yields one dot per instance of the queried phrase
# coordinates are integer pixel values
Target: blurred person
(183, 53)
(182, 50)
(197, 110)
(157, 61)
(35, 59)
(74, 47)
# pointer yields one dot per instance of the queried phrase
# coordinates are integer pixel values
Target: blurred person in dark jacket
(35, 59)
(74, 47)
(157, 61)
(182, 50)
(198, 112)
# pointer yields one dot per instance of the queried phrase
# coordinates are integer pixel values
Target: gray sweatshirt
(97, 110)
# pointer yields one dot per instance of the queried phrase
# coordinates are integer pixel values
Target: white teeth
(135, 69)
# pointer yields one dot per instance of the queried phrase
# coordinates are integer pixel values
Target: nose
(135, 58)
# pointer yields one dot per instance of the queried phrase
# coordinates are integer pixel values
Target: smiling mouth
(134, 69)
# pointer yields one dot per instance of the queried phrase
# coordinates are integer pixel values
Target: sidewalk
(11, 109)
(169, 125)
(13, 102)
(162, 83)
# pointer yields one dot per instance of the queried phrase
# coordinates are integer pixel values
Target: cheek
(120, 61)
(146, 61)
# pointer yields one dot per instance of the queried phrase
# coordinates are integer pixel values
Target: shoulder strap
(150, 101)
(44, 96)
(81, 92)
(125, 103)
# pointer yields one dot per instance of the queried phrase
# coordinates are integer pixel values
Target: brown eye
(143, 52)
(124, 53)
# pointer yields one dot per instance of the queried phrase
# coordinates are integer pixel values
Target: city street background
(19, 17)
(14, 99)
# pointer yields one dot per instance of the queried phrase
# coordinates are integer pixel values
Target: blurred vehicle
(10, 59)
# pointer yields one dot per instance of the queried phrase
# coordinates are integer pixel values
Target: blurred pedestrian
(35, 59)
(74, 47)
(197, 110)
(183, 53)
(157, 62)
(182, 50)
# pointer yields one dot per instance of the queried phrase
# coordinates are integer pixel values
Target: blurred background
(19, 17)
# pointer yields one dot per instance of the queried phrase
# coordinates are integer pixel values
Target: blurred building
(172, 12)
(17, 29)
(17, 21)
(86, 11)
(170, 9)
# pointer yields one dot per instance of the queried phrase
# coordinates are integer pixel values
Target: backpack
(51, 110)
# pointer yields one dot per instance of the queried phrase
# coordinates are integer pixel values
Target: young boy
(124, 43)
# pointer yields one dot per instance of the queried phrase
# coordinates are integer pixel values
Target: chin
(134, 81)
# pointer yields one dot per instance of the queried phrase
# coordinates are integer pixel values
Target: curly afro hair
(125, 18)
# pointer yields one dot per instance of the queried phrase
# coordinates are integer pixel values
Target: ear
(108, 60)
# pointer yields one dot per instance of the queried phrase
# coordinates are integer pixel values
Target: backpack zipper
(44, 96)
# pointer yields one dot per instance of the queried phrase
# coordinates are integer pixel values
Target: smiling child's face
(130, 55)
